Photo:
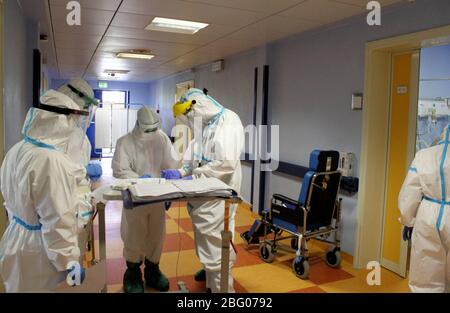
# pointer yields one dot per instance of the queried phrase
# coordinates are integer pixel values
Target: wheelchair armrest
(287, 200)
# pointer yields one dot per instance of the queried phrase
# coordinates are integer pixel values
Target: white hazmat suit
(137, 154)
(216, 154)
(38, 183)
(424, 203)
(79, 150)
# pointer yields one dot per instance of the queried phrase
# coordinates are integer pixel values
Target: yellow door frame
(375, 135)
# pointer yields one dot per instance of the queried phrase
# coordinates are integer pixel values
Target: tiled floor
(251, 274)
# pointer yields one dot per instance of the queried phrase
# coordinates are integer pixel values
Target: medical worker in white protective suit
(215, 153)
(143, 153)
(79, 150)
(38, 181)
(424, 203)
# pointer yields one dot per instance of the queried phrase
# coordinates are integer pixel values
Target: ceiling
(110, 26)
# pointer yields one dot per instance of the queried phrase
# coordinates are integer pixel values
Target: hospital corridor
(247, 154)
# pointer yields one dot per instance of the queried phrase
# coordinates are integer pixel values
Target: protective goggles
(87, 100)
(182, 107)
(148, 129)
(84, 116)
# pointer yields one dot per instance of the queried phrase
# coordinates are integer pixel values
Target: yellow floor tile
(176, 212)
(390, 282)
(188, 263)
(269, 278)
(190, 234)
(243, 220)
(237, 239)
(172, 227)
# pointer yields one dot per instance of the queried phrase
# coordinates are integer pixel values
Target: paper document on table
(153, 189)
(123, 184)
(201, 185)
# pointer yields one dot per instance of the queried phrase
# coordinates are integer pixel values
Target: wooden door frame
(375, 134)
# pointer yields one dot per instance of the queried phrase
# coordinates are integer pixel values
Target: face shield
(81, 118)
(83, 121)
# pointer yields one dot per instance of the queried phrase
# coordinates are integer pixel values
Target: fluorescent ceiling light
(116, 71)
(175, 26)
(135, 55)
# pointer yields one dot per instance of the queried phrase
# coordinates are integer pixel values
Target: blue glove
(171, 174)
(407, 233)
(94, 171)
(75, 275)
(187, 178)
(146, 176)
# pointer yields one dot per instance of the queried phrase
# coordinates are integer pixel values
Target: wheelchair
(316, 215)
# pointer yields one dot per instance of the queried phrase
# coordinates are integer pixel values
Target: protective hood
(205, 106)
(147, 120)
(48, 129)
(81, 85)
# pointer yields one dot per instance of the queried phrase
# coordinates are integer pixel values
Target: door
(401, 150)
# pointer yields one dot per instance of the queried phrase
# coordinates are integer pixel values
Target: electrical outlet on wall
(357, 101)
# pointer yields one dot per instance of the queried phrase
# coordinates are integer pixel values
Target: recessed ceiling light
(136, 54)
(175, 26)
(116, 71)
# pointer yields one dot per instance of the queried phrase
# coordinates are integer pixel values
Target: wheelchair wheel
(300, 267)
(333, 258)
(266, 252)
(294, 243)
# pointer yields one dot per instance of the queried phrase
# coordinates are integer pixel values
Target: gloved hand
(146, 176)
(407, 233)
(94, 171)
(75, 275)
(187, 178)
(171, 174)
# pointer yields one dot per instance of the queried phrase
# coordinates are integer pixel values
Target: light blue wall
(139, 92)
(21, 37)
